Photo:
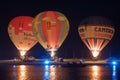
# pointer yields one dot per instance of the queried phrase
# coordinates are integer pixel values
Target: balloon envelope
(51, 29)
(20, 33)
(96, 32)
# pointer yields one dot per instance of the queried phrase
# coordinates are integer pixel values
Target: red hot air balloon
(20, 33)
(51, 29)
(96, 32)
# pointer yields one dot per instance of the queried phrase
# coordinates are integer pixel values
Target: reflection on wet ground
(46, 72)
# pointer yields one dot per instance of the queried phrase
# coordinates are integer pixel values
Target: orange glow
(95, 52)
(22, 53)
(53, 72)
(95, 69)
(52, 54)
(96, 72)
(22, 72)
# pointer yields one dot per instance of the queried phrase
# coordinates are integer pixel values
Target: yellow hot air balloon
(51, 29)
(20, 33)
(96, 32)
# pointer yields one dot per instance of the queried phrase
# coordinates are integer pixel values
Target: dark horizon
(75, 11)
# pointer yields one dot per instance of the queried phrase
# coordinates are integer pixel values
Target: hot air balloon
(96, 32)
(51, 29)
(20, 33)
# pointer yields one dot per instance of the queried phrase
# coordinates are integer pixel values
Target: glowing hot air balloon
(20, 33)
(96, 32)
(51, 29)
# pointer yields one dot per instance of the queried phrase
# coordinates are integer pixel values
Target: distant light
(47, 62)
(14, 66)
(15, 59)
(114, 71)
(46, 67)
(114, 67)
(114, 62)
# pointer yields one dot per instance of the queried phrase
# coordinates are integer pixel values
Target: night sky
(75, 11)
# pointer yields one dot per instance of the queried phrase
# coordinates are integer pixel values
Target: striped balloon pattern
(20, 33)
(50, 28)
(96, 32)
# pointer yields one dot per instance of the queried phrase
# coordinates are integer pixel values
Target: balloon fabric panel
(20, 32)
(51, 28)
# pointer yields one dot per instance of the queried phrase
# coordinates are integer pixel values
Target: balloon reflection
(50, 73)
(114, 77)
(22, 72)
(46, 73)
(96, 73)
